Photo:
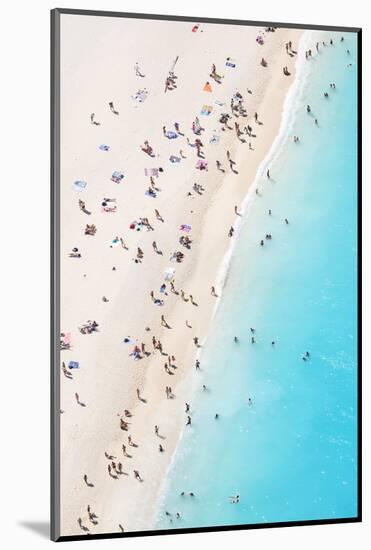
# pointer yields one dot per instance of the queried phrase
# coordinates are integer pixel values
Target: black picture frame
(55, 271)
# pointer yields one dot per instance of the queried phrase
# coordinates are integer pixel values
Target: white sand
(98, 58)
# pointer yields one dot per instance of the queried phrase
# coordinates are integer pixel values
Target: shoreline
(121, 502)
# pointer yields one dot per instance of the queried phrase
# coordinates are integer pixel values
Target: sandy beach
(106, 284)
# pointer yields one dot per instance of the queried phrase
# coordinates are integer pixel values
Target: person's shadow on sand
(41, 528)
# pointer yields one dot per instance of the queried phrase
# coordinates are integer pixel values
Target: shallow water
(292, 454)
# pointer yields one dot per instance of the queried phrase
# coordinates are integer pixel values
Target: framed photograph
(206, 215)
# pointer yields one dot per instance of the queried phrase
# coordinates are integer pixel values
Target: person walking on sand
(137, 475)
(164, 323)
(236, 211)
(189, 421)
(230, 232)
(88, 483)
(213, 292)
(197, 364)
(113, 110)
(268, 174)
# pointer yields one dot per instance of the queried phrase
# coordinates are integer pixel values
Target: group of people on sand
(168, 293)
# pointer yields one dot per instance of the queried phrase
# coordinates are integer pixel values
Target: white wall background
(24, 290)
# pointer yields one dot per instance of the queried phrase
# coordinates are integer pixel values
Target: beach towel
(103, 147)
(230, 63)
(174, 159)
(151, 172)
(185, 227)
(206, 110)
(115, 242)
(219, 103)
(207, 87)
(140, 96)
(73, 365)
(214, 139)
(195, 28)
(117, 176)
(79, 185)
(171, 135)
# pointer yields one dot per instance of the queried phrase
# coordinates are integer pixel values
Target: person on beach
(308, 109)
(213, 292)
(230, 232)
(187, 407)
(236, 211)
(138, 71)
(160, 448)
(268, 174)
(214, 75)
(112, 108)
(156, 430)
(82, 207)
(146, 148)
(92, 121)
(189, 421)
(137, 475)
(197, 364)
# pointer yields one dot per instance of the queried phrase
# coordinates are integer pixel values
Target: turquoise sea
(291, 454)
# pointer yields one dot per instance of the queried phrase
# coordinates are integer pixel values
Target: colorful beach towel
(79, 185)
(201, 164)
(214, 140)
(117, 176)
(151, 172)
(73, 365)
(171, 135)
(103, 147)
(140, 96)
(206, 110)
(185, 227)
(207, 87)
(229, 62)
(169, 274)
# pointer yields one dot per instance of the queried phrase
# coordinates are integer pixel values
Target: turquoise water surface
(291, 454)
